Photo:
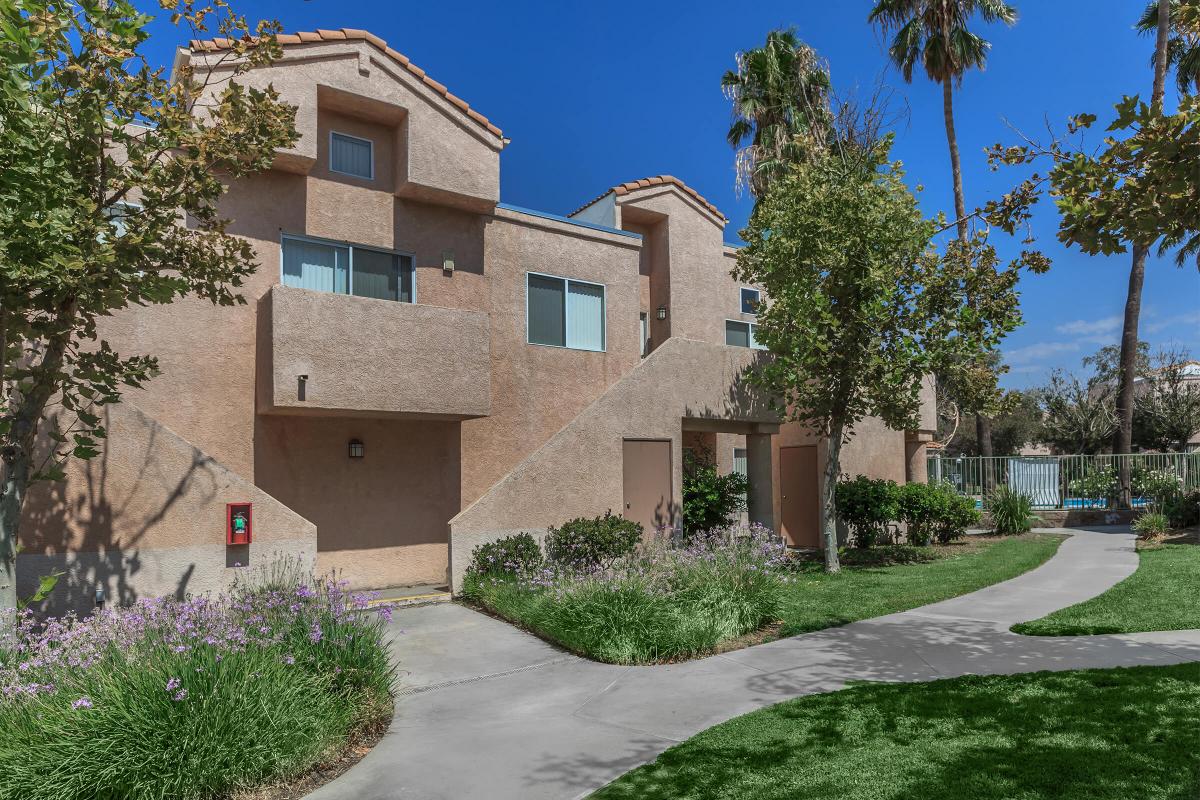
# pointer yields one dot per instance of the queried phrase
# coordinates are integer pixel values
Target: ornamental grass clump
(193, 698)
(663, 601)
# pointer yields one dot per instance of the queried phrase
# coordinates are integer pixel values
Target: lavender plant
(663, 601)
(192, 698)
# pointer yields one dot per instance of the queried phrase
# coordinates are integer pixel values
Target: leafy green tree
(102, 159)
(1077, 419)
(1140, 189)
(1105, 364)
(1183, 46)
(1166, 413)
(780, 96)
(1017, 423)
(934, 34)
(861, 307)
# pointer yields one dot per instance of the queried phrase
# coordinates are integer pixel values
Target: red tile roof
(657, 180)
(348, 34)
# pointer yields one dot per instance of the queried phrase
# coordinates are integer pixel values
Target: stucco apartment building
(420, 367)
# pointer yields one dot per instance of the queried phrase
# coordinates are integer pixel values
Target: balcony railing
(1070, 482)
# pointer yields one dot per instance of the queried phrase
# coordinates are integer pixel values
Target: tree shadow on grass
(1094, 734)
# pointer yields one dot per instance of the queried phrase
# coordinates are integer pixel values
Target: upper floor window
(347, 269)
(561, 312)
(741, 334)
(750, 300)
(351, 155)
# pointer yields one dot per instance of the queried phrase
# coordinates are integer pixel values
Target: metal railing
(1066, 482)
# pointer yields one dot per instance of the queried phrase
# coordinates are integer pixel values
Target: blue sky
(595, 94)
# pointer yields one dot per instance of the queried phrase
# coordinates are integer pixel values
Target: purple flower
(180, 696)
(83, 702)
(174, 684)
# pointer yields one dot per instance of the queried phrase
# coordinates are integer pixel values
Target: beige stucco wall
(368, 356)
(441, 153)
(536, 390)
(578, 472)
(381, 519)
(146, 518)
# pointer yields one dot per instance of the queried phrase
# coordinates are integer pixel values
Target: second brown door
(799, 496)
(647, 483)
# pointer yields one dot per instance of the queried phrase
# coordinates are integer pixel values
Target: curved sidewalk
(493, 713)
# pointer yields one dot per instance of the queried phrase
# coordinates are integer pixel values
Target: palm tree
(934, 33)
(780, 95)
(1123, 438)
(1183, 46)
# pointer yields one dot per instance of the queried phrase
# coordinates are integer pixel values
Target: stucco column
(759, 499)
(916, 468)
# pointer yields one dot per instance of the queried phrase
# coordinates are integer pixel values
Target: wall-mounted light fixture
(356, 448)
(662, 312)
(448, 260)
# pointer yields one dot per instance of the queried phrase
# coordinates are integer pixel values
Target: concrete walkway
(492, 713)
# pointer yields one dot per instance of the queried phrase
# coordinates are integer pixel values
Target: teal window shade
(547, 311)
(585, 316)
(346, 269)
(737, 334)
(351, 156)
(565, 313)
(317, 266)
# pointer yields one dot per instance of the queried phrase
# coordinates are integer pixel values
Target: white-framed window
(117, 213)
(564, 312)
(343, 268)
(351, 155)
(750, 299)
(741, 334)
(644, 322)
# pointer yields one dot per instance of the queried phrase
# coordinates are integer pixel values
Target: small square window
(351, 155)
(750, 301)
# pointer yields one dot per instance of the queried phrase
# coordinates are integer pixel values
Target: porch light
(448, 260)
(356, 448)
(662, 312)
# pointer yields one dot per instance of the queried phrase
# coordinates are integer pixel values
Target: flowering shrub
(189, 699)
(513, 555)
(589, 544)
(657, 603)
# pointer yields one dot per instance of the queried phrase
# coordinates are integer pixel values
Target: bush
(188, 699)
(710, 500)
(935, 511)
(587, 544)
(659, 603)
(1012, 512)
(1159, 486)
(512, 555)
(1183, 510)
(1151, 525)
(867, 507)
(1096, 484)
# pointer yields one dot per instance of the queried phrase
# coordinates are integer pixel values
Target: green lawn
(1161, 596)
(1083, 735)
(861, 591)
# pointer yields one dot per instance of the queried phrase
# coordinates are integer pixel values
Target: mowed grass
(1162, 595)
(872, 584)
(1082, 735)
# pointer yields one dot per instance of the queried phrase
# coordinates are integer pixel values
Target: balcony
(334, 354)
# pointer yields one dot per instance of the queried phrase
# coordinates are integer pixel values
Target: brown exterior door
(799, 496)
(647, 483)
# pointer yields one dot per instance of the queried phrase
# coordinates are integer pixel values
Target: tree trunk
(1127, 374)
(12, 497)
(833, 470)
(983, 425)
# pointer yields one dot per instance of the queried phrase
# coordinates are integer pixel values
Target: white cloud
(1093, 329)
(1189, 320)
(1038, 352)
